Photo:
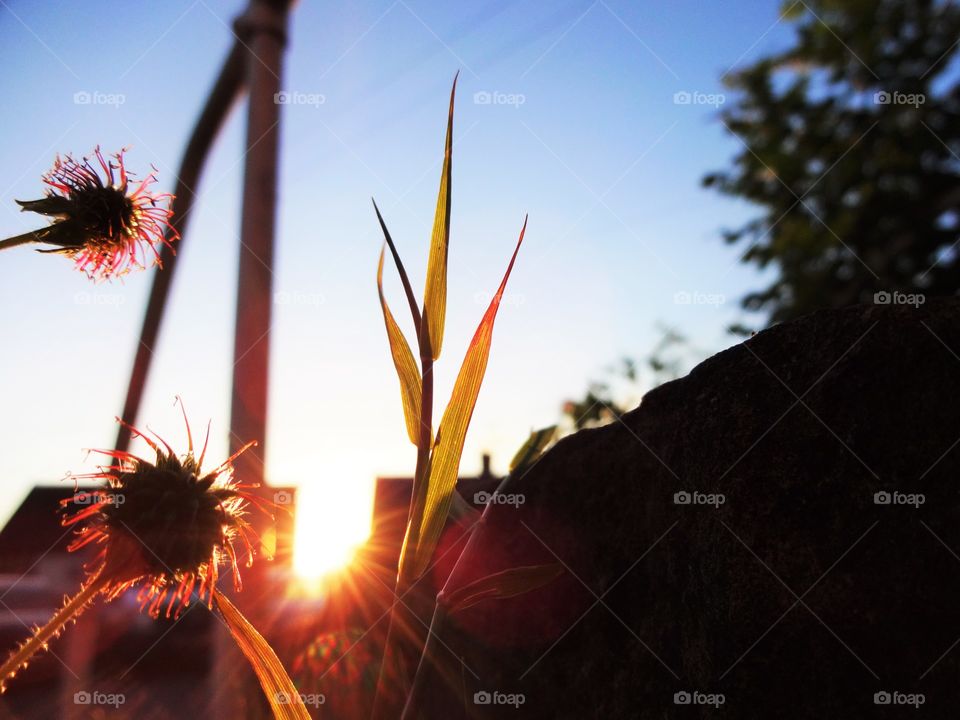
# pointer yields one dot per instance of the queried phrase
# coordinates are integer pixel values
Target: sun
(333, 520)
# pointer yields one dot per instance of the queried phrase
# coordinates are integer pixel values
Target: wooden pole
(262, 32)
(262, 29)
(226, 91)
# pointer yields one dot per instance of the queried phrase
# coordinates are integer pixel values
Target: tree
(851, 147)
(621, 389)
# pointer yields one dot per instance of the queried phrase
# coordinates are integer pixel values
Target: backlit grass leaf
(411, 300)
(501, 585)
(431, 514)
(406, 366)
(531, 450)
(283, 696)
(435, 292)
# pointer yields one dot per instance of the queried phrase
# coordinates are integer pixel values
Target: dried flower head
(105, 220)
(165, 525)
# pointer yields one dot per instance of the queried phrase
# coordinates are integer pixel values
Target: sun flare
(333, 519)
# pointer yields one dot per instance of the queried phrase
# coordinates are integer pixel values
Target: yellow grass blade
(431, 514)
(403, 360)
(283, 696)
(501, 585)
(435, 292)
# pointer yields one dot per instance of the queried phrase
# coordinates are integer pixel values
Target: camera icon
(81, 98)
(481, 498)
(282, 698)
(682, 498)
(881, 298)
(682, 98)
(881, 97)
(81, 698)
(482, 697)
(282, 497)
(482, 97)
(882, 498)
(281, 98)
(682, 298)
(882, 698)
(682, 698)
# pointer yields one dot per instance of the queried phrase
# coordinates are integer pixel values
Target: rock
(786, 587)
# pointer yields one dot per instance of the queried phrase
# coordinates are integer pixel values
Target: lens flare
(333, 520)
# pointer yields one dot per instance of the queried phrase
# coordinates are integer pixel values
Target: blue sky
(582, 132)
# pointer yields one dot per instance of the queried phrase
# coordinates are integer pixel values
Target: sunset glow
(333, 519)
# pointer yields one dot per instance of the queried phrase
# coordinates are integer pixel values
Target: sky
(568, 111)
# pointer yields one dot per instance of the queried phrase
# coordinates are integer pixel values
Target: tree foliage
(624, 383)
(851, 148)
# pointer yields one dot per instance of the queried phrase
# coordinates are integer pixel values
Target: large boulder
(778, 531)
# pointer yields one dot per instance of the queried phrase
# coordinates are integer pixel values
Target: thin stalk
(391, 657)
(29, 237)
(70, 611)
(420, 478)
(428, 657)
(419, 678)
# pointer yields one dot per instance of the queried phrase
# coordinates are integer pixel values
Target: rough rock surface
(797, 597)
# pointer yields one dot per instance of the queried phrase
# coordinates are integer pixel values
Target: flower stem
(42, 636)
(25, 239)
